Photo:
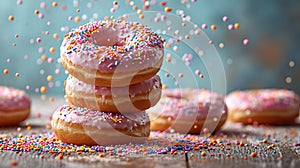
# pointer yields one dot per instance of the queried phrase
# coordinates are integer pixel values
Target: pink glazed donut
(188, 111)
(112, 53)
(264, 106)
(14, 106)
(132, 98)
(83, 126)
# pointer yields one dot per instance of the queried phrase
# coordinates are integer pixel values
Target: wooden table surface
(275, 146)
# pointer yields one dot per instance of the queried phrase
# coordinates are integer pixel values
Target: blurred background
(31, 33)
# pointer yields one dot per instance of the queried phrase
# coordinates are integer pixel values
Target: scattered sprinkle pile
(217, 146)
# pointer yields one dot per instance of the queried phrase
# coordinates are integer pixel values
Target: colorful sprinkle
(11, 18)
(43, 89)
(5, 71)
(213, 27)
(225, 19)
(168, 9)
(52, 50)
(54, 4)
(49, 78)
(77, 19)
(236, 26)
(245, 41)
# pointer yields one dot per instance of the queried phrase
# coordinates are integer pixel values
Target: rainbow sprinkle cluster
(65, 110)
(158, 143)
(86, 116)
(140, 36)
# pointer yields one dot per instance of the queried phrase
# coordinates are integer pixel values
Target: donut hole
(107, 37)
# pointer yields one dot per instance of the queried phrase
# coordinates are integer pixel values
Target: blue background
(272, 27)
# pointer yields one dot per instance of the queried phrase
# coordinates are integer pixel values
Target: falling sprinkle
(168, 9)
(139, 11)
(43, 57)
(77, 19)
(5, 71)
(11, 18)
(221, 45)
(288, 80)
(19, 2)
(225, 19)
(134, 7)
(164, 86)
(52, 50)
(213, 27)
(141, 16)
(49, 78)
(245, 41)
(236, 26)
(55, 35)
(51, 99)
(163, 3)
(291, 64)
(54, 4)
(43, 89)
(38, 40)
(43, 5)
(230, 27)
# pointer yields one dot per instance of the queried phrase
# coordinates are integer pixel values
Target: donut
(132, 98)
(83, 126)
(264, 106)
(188, 111)
(112, 53)
(14, 106)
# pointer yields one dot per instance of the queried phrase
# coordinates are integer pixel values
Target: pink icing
(190, 104)
(13, 99)
(263, 99)
(132, 90)
(110, 46)
(101, 120)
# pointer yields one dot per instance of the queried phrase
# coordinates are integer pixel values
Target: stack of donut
(112, 80)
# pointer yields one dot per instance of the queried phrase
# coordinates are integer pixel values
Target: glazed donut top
(107, 45)
(262, 99)
(131, 90)
(13, 99)
(101, 120)
(190, 104)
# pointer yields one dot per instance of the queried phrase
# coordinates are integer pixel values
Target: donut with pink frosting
(188, 111)
(14, 106)
(132, 98)
(83, 126)
(112, 53)
(264, 106)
